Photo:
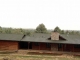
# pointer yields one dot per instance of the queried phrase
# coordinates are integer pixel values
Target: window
(36, 44)
(76, 46)
(48, 45)
(59, 45)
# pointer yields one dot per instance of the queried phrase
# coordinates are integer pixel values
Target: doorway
(25, 45)
(30, 45)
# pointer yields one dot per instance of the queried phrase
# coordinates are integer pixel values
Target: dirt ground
(24, 55)
(36, 57)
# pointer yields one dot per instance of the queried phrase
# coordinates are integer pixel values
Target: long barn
(40, 41)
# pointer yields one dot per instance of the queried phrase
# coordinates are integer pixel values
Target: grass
(15, 56)
(36, 57)
(45, 58)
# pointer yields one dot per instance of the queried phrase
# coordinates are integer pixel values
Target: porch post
(62, 47)
(73, 48)
(39, 46)
(28, 45)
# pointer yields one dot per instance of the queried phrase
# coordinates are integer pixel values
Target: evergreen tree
(57, 29)
(41, 29)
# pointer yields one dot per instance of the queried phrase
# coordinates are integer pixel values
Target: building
(39, 41)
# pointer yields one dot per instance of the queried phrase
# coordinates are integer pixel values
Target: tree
(41, 29)
(7, 31)
(0, 29)
(57, 29)
(62, 32)
(28, 33)
(67, 32)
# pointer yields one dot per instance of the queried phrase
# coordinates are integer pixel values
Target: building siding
(42, 46)
(8, 45)
(34, 47)
(13, 45)
(54, 47)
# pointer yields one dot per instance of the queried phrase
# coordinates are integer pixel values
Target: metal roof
(70, 39)
(11, 37)
(40, 37)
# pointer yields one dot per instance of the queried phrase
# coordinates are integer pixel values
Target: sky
(30, 13)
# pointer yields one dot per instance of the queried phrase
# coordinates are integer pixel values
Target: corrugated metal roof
(70, 39)
(14, 37)
(39, 37)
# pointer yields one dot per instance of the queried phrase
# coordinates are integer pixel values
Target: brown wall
(35, 47)
(8, 45)
(76, 49)
(12, 45)
(42, 46)
(54, 47)
(69, 48)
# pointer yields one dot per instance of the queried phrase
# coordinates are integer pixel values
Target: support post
(73, 48)
(28, 45)
(39, 46)
(62, 47)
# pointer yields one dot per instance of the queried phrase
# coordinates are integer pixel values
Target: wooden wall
(8, 45)
(76, 49)
(13, 45)
(69, 48)
(34, 47)
(54, 47)
(42, 46)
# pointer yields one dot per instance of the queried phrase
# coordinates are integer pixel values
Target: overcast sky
(31, 13)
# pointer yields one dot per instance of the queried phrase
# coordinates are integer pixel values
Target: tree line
(39, 29)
